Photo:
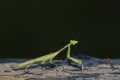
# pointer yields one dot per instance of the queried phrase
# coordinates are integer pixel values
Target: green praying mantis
(50, 57)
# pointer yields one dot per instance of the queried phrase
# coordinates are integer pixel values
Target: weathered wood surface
(95, 69)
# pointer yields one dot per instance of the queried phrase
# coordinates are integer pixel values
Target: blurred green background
(31, 28)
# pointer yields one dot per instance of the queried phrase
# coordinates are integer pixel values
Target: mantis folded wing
(50, 57)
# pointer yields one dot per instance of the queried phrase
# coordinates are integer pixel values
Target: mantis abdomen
(40, 60)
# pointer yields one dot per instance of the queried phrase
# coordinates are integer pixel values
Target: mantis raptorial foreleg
(50, 57)
(74, 59)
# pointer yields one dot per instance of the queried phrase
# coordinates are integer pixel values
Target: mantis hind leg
(42, 62)
(51, 61)
(28, 66)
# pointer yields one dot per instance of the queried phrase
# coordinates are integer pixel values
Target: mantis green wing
(40, 60)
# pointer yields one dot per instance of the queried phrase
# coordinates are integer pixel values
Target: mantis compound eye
(73, 42)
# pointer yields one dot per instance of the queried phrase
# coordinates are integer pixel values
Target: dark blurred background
(32, 28)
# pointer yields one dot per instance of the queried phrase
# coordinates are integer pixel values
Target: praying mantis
(50, 57)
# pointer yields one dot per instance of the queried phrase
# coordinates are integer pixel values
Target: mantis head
(73, 42)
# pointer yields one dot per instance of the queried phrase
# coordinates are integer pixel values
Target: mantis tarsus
(43, 59)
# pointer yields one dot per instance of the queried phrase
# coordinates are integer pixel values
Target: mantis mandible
(50, 57)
